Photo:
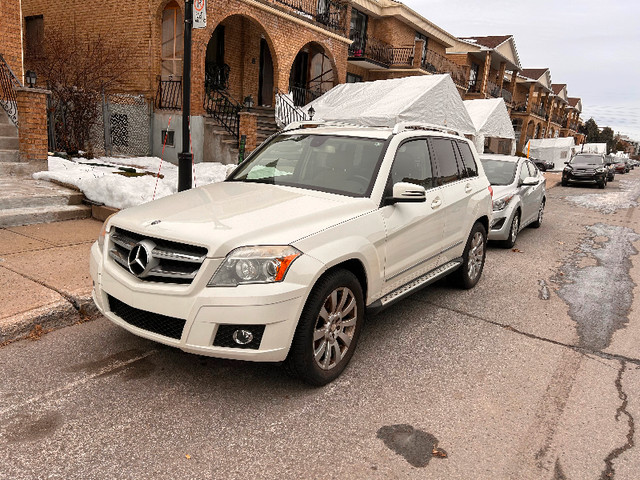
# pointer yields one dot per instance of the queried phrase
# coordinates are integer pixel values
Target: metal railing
(330, 13)
(225, 109)
(507, 95)
(303, 95)
(555, 118)
(169, 95)
(8, 84)
(493, 89)
(216, 77)
(436, 63)
(402, 56)
(371, 48)
(287, 111)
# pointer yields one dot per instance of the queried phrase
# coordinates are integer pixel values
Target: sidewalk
(44, 277)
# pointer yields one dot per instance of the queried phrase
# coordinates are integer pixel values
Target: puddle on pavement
(600, 296)
(543, 291)
(610, 202)
(415, 446)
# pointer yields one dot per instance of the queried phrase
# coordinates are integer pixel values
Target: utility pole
(185, 158)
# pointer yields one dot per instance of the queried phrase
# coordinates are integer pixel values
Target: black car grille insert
(153, 322)
(155, 259)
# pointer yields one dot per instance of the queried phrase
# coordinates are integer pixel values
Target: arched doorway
(239, 61)
(312, 74)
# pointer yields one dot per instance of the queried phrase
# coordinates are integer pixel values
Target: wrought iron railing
(302, 95)
(8, 84)
(371, 48)
(493, 89)
(574, 126)
(555, 118)
(402, 56)
(436, 63)
(169, 95)
(225, 109)
(287, 111)
(507, 95)
(330, 13)
(539, 110)
(216, 77)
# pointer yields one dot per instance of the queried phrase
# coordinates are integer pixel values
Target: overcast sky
(592, 46)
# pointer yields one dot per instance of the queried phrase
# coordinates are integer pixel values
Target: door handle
(467, 188)
(436, 203)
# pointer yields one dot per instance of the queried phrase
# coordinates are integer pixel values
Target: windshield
(344, 165)
(499, 172)
(587, 160)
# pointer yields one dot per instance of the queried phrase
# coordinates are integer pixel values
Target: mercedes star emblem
(140, 260)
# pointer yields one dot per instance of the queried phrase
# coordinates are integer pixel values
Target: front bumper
(274, 307)
(584, 177)
(501, 224)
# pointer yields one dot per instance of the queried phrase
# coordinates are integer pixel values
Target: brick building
(390, 40)
(249, 48)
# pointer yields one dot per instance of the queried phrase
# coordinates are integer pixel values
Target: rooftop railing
(330, 13)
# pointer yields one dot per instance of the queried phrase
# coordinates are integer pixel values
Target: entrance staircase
(23, 200)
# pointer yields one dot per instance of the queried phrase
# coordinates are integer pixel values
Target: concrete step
(11, 155)
(28, 216)
(41, 199)
(4, 118)
(9, 143)
(8, 130)
(17, 168)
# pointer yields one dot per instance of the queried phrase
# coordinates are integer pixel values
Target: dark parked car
(543, 165)
(586, 168)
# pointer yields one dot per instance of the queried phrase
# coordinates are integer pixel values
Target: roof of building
(573, 101)
(492, 41)
(557, 87)
(533, 73)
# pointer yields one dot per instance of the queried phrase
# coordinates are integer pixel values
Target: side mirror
(530, 181)
(566, 163)
(405, 192)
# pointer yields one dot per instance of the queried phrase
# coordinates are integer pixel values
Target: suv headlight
(567, 168)
(600, 170)
(245, 265)
(501, 203)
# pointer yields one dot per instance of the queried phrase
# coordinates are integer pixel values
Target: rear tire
(473, 258)
(328, 330)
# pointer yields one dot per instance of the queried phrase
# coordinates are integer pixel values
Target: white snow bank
(100, 183)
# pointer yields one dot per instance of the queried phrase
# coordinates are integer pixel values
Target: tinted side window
(412, 164)
(461, 169)
(467, 159)
(445, 160)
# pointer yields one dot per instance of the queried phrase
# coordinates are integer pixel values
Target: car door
(528, 194)
(538, 190)
(413, 230)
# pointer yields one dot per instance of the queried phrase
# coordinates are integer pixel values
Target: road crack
(609, 471)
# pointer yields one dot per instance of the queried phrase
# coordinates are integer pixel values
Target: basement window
(168, 134)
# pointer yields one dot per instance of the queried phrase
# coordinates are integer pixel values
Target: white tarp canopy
(490, 119)
(557, 150)
(430, 99)
(592, 148)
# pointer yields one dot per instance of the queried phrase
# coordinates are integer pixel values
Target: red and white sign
(199, 13)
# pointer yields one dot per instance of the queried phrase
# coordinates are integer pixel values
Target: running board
(414, 285)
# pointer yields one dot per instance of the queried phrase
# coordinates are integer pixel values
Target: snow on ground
(102, 180)
(610, 202)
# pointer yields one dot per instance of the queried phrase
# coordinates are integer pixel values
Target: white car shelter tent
(557, 150)
(432, 99)
(491, 120)
(591, 148)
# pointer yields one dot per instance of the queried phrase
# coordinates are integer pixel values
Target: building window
(167, 138)
(172, 40)
(422, 36)
(34, 36)
(353, 78)
(358, 33)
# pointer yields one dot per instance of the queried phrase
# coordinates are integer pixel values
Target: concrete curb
(33, 323)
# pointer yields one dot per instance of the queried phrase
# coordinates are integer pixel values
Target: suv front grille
(174, 262)
(153, 322)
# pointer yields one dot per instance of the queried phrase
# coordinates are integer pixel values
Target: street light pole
(185, 158)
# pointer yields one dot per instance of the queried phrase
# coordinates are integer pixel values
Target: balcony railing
(506, 94)
(8, 84)
(438, 64)
(493, 89)
(557, 119)
(330, 13)
(382, 53)
(169, 95)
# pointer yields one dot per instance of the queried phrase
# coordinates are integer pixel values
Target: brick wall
(10, 36)
(32, 114)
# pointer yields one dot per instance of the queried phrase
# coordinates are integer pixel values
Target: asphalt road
(534, 374)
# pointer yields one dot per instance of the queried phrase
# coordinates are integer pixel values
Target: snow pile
(610, 202)
(126, 182)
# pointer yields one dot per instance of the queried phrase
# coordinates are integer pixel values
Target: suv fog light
(242, 337)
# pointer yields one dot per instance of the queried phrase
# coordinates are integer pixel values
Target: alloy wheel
(335, 328)
(476, 256)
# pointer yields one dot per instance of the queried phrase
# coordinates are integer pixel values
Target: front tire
(513, 232)
(473, 258)
(602, 184)
(538, 221)
(328, 330)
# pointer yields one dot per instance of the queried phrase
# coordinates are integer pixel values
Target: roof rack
(320, 123)
(402, 126)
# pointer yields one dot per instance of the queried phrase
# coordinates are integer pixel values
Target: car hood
(587, 166)
(227, 215)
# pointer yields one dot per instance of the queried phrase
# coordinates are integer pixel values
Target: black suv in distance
(586, 168)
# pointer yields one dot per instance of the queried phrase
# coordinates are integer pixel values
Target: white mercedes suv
(280, 262)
